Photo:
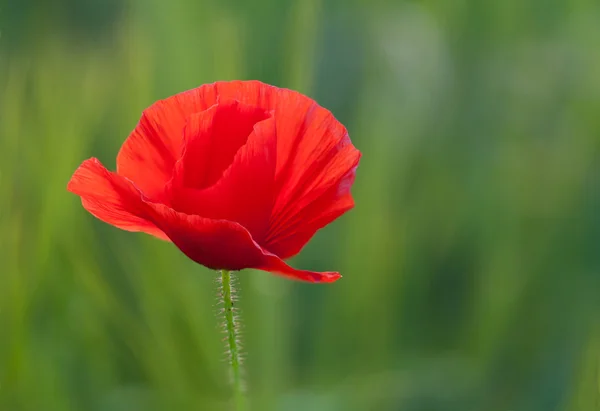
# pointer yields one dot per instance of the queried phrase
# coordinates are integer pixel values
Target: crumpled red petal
(304, 222)
(148, 155)
(315, 162)
(245, 192)
(211, 140)
(221, 244)
(111, 198)
(320, 195)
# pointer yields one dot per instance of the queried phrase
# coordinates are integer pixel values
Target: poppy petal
(304, 129)
(212, 139)
(245, 192)
(253, 93)
(306, 223)
(321, 200)
(216, 244)
(316, 163)
(276, 265)
(158, 141)
(222, 244)
(111, 198)
(148, 155)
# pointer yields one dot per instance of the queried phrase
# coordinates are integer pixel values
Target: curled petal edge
(211, 243)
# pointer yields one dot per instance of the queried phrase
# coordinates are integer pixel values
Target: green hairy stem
(231, 326)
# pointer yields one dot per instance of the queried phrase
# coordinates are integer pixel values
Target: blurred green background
(471, 262)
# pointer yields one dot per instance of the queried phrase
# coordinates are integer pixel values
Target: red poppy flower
(236, 174)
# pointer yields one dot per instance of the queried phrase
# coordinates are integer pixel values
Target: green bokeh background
(471, 262)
